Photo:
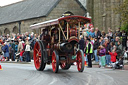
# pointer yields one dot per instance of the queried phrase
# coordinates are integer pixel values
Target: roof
(56, 21)
(28, 9)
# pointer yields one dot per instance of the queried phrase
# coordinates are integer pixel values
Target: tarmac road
(26, 74)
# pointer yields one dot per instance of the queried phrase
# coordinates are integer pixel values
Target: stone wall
(103, 15)
(63, 6)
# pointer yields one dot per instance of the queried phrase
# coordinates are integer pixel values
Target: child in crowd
(98, 50)
(21, 55)
(102, 52)
(113, 57)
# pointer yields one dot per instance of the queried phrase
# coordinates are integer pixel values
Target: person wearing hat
(89, 52)
(12, 49)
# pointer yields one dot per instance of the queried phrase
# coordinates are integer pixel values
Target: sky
(6, 2)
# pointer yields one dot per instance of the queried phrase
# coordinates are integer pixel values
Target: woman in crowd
(119, 50)
(6, 51)
(27, 52)
(95, 47)
(107, 47)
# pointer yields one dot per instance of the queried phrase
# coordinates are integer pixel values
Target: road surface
(26, 74)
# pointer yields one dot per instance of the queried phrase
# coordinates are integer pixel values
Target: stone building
(18, 17)
(103, 15)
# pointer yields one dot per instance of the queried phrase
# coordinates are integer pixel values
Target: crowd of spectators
(100, 46)
(17, 46)
(103, 47)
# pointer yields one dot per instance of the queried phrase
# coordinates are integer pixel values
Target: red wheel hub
(54, 61)
(37, 55)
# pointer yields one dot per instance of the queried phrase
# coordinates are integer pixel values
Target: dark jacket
(5, 48)
(96, 45)
(119, 51)
(124, 39)
(108, 48)
(98, 34)
(13, 46)
(82, 44)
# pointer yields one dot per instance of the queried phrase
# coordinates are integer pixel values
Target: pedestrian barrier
(2, 58)
(85, 64)
(1, 67)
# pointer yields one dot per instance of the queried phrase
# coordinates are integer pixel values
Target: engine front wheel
(55, 61)
(38, 56)
(80, 61)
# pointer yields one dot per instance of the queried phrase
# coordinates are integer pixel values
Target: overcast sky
(6, 2)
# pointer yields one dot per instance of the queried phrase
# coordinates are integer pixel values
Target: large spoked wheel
(65, 66)
(55, 61)
(38, 56)
(80, 61)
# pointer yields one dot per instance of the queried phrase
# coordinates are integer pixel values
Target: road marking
(53, 81)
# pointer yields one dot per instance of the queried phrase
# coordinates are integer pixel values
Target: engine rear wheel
(55, 61)
(65, 66)
(38, 56)
(80, 61)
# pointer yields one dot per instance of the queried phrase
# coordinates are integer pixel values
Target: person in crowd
(89, 52)
(6, 51)
(124, 39)
(119, 50)
(119, 33)
(127, 43)
(20, 46)
(0, 49)
(98, 50)
(112, 46)
(92, 33)
(1, 41)
(21, 55)
(116, 41)
(110, 34)
(103, 34)
(16, 47)
(27, 52)
(102, 53)
(84, 33)
(113, 55)
(102, 40)
(12, 49)
(97, 33)
(107, 47)
(95, 47)
(82, 43)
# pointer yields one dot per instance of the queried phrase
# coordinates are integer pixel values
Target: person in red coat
(113, 56)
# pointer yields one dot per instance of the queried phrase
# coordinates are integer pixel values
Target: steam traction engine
(59, 43)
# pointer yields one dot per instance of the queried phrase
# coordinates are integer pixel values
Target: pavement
(94, 64)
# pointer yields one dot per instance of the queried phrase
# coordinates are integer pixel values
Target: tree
(123, 11)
